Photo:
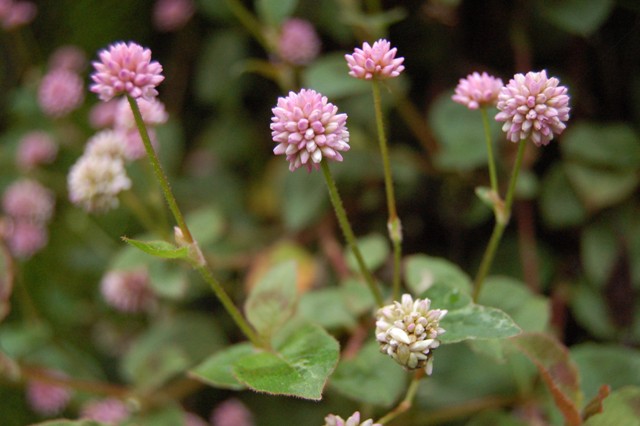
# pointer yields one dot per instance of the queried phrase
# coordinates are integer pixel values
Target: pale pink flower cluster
(153, 113)
(298, 42)
(377, 62)
(61, 91)
(126, 69)
(478, 90)
(308, 128)
(45, 398)
(171, 15)
(354, 420)
(231, 412)
(29, 207)
(533, 106)
(69, 57)
(111, 411)
(191, 419)
(128, 291)
(36, 148)
(14, 14)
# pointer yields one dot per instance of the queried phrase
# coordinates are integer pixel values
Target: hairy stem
(407, 402)
(487, 136)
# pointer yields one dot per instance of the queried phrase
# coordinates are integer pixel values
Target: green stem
(394, 225)
(348, 232)
(250, 22)
(407, 402)
(159, 173)
(487, 137)
(202, 267)
(503, 213)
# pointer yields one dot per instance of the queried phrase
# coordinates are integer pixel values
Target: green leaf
(168, 279)
(477, 322)
(273, 299)
(171, 347)
(170, 414)
(600, 188)
(444, 297)
(303, 199)
(329, 75)
(581, 17)
(207, 223)
(217, 370)
(374, 249)
(558, 371)
(591, 311)
(620, 408)
(305, 357)
(422, 272)
(615, 146)
(159, 248)
(601, 364)
(560, 205)
(275, 11)
(599, 248)
(370, 377)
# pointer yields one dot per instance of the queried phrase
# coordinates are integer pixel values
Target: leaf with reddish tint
(558, 371)
(595, 406)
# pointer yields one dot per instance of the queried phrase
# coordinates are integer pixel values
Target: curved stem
(487, 138)
(250, 22)
(348, 232)
(503, 213)
(407, 402)
(394, 225)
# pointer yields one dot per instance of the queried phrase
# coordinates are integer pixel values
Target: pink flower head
(231, 412)
(299, 43)
(126, 69)
(25, 238)
(375, 62)
(70, 58)
(61, 91)
(14, 14)
(171, 15)
(477, 90)
(45, 398)
(191, 419)
(127, 291)
(354, 420)
(36, 148)
(111, 411)
(534, 107)
(307, 129)
(27, 200)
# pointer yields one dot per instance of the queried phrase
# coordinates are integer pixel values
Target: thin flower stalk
(249, 21)
(186, 236)
(394, 225)
(492, 164)
(348, 233)
(503, 213)
(407, 401)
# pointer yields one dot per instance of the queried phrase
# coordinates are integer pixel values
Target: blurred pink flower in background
(375, 62)
(61, 91)
(298, 43)
(231, 412)
(308, 128)
(534, 107)
(111, 411)
(35, 149)
(14, 14)
(153, 113)
(126, 68)
(127, 291)
(478, 90)
(25, 238)
(108, 143)
(28, 200)
(191, 419)
(45, 398)
(70, 58)
(103, 114)
(171, 15)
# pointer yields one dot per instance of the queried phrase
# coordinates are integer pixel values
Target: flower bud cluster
(354, 420)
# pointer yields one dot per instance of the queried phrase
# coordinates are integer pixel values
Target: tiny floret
(478, 90)
(126, 69)
(533, 106)
(308, 128)
(375, 62)
(408, 332)
(354, 420)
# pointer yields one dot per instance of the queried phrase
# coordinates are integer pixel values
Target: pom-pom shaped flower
(69, 57)
(111, 411)
(171, 15)
(61, 91)
(477, 90)
(533, 106)
(354, 420)
(14, 14)
(127, 291)
(408, 332)
(126, 68)
(308, 128)
(231, 412)
(24, 237)
(35, 149)
(46, 398)
(28, 200)
(375, 62)
(298, 43)
(95, 181)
